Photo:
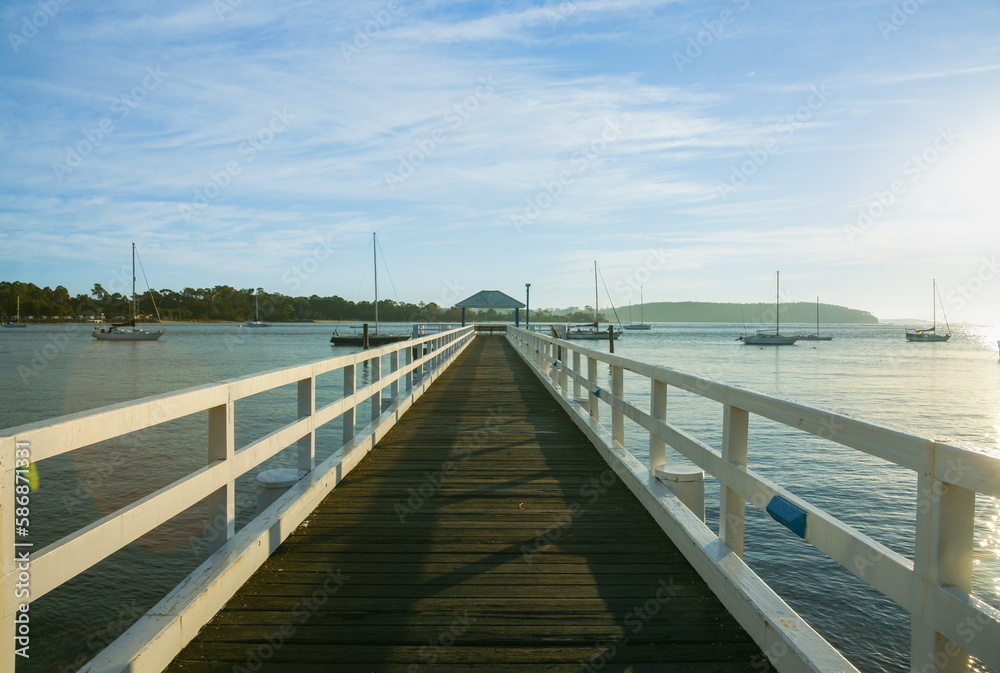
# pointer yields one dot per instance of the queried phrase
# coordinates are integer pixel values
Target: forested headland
(226, 304)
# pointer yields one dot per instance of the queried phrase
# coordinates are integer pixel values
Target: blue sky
(691, 147)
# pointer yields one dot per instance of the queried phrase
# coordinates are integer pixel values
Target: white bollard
(687, 482)
(272, 484)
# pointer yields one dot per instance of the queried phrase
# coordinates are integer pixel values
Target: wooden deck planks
(483, 533)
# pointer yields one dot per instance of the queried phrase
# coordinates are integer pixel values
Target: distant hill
(699, 311)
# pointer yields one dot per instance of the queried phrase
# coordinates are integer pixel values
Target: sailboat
(816, 336)
(17, 322)
(766, 338)
(375, 339)
(930, 333)
(127, 331)
(592, 331)
(256, 321)
(640, 324)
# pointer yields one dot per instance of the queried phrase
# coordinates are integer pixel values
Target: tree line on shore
(227, 304)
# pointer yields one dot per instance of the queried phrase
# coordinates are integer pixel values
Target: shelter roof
(490, 299)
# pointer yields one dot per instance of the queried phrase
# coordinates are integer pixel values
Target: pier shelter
(492, 299)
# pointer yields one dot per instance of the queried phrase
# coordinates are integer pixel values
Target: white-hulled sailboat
(640, 324)
(256, 321)
(930, 333)
(17, 321)
(375, 339)
(127, 331)
(765, 338)
(816, 336)
(593, 331)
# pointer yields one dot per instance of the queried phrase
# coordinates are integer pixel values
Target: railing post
(376, 398)
(221, 503)
(576, 370)
(563, 374)
(350, 387)
(595, 412)
(617, 417)
(658, 410)
(307, 407)
(393, 368)
(407, 361)
(732, 506)
(943, 557)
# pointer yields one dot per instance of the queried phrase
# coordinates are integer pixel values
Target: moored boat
(767, 338)
(126, 331)
(926, 334)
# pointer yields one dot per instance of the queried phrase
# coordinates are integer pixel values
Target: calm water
(942, 390)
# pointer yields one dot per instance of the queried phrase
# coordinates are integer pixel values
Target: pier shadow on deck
(483, 533)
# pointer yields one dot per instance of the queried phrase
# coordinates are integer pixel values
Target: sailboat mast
(777, 302)
(596, 319)
(642, 319)
(375, 259)
(133, 285)
(817, 316)
(934, 304)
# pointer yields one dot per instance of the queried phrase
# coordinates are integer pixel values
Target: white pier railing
(948, 622)
(153, 641)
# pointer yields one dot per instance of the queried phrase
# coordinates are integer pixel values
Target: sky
(691, 148)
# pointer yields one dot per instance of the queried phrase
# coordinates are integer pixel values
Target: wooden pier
(484, 513)
(483, 533)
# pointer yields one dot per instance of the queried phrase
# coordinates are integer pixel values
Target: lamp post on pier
(527, 306)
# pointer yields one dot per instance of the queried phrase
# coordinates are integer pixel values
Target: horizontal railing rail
(413, 364)
(935, 587)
